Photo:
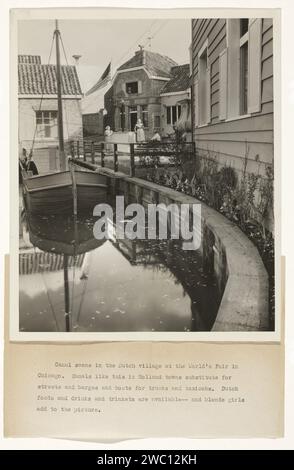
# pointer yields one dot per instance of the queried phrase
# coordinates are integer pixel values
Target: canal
(70, 281)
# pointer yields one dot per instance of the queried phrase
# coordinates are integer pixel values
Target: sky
(101, 41)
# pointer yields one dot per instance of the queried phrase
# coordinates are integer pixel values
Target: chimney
(143, 53)
(143, 57)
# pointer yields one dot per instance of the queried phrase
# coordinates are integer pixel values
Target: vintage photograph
(146, 175)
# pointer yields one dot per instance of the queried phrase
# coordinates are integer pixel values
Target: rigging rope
(47, 293)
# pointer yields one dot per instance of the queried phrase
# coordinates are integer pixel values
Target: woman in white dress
(108, 132)
(139, 129)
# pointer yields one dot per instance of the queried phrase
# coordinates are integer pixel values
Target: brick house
(135, 92)
(232, 77)
(37, 109)
(176, 102)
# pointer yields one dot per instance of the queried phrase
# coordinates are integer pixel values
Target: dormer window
(132, 88)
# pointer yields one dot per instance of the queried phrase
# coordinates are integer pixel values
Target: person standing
(22, 165)
(31, 166)
(139, 129)
(107, 135)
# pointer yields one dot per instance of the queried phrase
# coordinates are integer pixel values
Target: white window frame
(40, 127)
(241, 41)
(178, 113)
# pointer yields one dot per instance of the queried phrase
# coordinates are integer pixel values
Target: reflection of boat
(66, 189)
(64, 237)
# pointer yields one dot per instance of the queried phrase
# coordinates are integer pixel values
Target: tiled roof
(37, 79)
(180, 80)
(157, 65)
(29, 59)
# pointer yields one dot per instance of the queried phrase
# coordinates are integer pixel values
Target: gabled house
(135, 92)
(37, 109)
(176, 102)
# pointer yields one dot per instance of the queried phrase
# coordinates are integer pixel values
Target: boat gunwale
(64, 185)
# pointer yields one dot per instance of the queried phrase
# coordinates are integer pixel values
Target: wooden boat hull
(53, 193)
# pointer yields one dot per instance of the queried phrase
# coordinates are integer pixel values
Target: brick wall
(148, 95)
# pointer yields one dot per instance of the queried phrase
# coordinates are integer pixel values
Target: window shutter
(208, 91)
(233, 61)
(254, 66)
(139, 86)
(196, 102)
(223, 84)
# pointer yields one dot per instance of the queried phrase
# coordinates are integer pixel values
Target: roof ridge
(157, 64)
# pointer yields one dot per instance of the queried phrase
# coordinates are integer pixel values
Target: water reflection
(69, 281)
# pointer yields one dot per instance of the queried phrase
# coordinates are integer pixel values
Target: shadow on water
(70, 281)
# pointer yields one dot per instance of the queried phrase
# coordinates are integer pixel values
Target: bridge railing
(127, 157)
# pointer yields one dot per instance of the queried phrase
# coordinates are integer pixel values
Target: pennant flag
(103, 80)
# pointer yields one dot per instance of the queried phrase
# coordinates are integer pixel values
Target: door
(133, 117)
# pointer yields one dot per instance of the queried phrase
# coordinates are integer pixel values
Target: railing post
(92, 152)
(115, 157)
(72, 149)
(132, 160)
(84, 144)
(102, 153)
(78, 149)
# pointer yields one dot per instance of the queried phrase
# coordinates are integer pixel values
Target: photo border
(142, 13)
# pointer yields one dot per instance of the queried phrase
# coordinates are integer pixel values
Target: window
(46, 124)
(204, 86)
(244, 40)
(122, 117)
(244, 24)
(173, 114)
(244, 66)
(144, 110)
(157, 122)
(132, 88)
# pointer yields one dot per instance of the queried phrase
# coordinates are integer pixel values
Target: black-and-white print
(146, 175)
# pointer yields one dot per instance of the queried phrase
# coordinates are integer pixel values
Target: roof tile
(37, 79)
(180, 80)
(157, 65)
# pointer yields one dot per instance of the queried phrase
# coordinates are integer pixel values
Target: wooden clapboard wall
(223, 135)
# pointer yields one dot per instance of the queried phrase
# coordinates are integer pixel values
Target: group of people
(26, 164)
(138, 130)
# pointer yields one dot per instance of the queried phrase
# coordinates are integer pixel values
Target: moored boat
(53, 192)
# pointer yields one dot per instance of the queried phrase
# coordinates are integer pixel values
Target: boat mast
(59, 101)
